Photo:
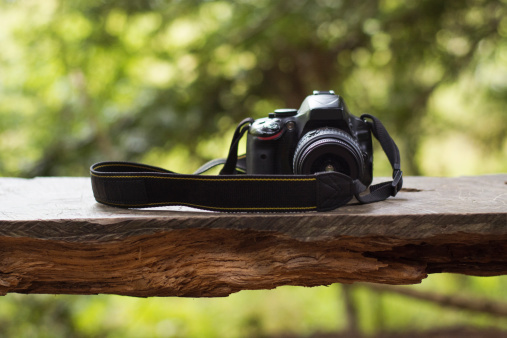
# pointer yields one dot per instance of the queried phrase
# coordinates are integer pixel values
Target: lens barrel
(328, 149)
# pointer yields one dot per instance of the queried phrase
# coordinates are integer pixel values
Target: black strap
(381, 191)
(230, 164)
(240, 165)
(134, 185)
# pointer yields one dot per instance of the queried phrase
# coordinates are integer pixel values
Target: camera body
(321, 136)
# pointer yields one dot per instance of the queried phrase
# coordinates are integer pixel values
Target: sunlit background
(165, 82)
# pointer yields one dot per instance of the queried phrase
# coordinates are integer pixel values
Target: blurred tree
(84, 81)
(48, 316)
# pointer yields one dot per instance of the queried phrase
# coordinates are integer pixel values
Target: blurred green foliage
(289, 311)
(165, 82)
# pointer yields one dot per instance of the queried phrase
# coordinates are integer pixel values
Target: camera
(321, 136)
(316, 158)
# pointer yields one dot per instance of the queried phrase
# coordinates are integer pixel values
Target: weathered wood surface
(54, 238)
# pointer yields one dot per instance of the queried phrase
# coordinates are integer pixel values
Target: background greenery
(165, 82)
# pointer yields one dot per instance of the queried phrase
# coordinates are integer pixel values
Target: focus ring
(333, 143)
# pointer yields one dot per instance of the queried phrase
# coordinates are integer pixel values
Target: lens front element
(328, 149)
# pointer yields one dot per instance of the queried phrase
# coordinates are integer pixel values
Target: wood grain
(54, 238)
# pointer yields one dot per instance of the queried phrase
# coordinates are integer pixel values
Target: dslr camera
(321, 136)
(328, 148)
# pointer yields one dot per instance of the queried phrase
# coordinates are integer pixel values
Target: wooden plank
(54, 238)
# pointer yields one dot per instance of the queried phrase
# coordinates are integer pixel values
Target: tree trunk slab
(55, 239)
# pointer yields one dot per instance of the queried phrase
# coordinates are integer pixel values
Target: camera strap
(381, 191)
(135, 185)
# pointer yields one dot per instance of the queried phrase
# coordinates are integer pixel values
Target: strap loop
(230, 164)
(381, 191)
(397, 182)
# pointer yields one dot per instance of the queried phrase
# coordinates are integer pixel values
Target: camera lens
(328, 149)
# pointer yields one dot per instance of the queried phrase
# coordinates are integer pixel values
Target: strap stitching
(210, 179)
(130, 165)
(206, 207)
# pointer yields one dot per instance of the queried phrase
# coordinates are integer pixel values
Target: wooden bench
(54, 238)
